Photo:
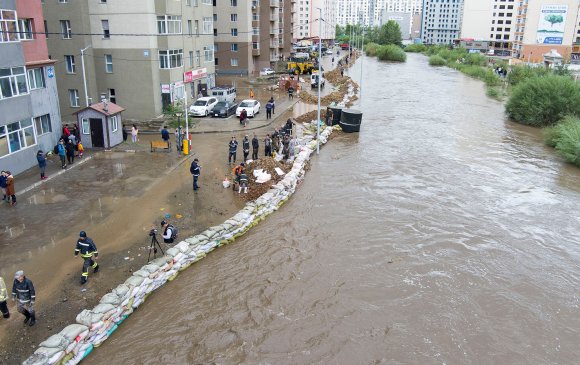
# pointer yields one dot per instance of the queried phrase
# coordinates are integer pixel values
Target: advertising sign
(165, 89)
(551, 25)
(575, 59)
(200, 73)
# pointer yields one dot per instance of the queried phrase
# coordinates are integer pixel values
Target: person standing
(233, 149)
(62, 153)
(73, 139)
(267, 146)
(252, 95)
(255, 147)
(273, 104)
(268, 110)
(169, 232)
(246, 147)
(10, 188)
(292, 147)
(87, 248)
(276, 140)
(165, 134)
(3, 178)
(134, 133)
(70, 152)
(286, 146)
(41, 158)
(23, 292)
(3, 299)
(195, 170)
(291, 93)
(65, 131)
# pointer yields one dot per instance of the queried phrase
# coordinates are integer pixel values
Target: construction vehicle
(300, 67)
(314, 79)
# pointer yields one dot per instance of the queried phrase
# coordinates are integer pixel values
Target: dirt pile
(268, 164)
(310, 116)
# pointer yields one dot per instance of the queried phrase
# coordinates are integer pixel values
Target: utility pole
(319, 79)
(84, 76)
(361, 65)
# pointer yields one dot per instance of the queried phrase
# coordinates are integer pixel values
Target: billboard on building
(552, 23)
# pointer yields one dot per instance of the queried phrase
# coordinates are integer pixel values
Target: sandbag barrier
(93, 326)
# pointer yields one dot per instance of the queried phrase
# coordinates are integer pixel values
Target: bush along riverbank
(389, 52)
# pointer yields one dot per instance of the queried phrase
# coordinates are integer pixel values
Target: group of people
(23, 292)
(7, 185)
(68, 145)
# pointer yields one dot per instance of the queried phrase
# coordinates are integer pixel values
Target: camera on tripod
(154, 245)
(152, 232)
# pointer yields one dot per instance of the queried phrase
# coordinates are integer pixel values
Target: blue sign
(50, 72)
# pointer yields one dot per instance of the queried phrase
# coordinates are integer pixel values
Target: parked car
(224, 109)
(329, 52)
(202, 106)
(252, 107)
(266, 71)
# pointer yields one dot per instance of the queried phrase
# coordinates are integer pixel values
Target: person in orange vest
(238, 170)
(251, 94)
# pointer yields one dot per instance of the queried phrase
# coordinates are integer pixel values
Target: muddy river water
(441, 234)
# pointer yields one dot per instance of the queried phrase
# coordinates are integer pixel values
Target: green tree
(553, 19)
(390, 33)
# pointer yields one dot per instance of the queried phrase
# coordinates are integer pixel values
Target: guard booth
(100, 125)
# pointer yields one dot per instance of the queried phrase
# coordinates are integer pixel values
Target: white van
(224, 93)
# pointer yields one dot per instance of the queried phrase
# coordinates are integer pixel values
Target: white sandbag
(172, 252)
(103, 308)
(110, 298)
(150, 268)
(192, 240)
(36, 359)
(56, 357)
(183, 246)
(134, 281)
(121, 291)
(48, 351)
(55, 341)
(71, 331)
(88, 317)
(142, 273)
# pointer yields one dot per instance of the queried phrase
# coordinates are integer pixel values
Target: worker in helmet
(86, 247)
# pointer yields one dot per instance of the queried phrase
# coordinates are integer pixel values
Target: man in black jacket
(246, 147)
(233, 148)
(255, 146)
(195, 170)
(23, 291)
(87, 248)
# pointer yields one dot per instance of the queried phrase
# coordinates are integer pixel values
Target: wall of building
(403, 19)
(328, 14)
(441, 22)
(477, 16)
(224, 40)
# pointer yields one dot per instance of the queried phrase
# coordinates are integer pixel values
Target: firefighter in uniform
(86, 247)
(23, 291)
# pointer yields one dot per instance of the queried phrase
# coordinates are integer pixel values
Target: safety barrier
(76, 341)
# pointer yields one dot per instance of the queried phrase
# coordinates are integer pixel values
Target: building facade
(28, 88)
(493, 21)
(369, 12)
(306, 19)
(441, 21)
(403, 19)
(543, 25)
(143, 55)
(260, 35)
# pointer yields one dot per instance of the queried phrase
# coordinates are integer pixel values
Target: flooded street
(441, 234)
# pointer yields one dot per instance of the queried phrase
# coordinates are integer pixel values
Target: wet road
(441, 234)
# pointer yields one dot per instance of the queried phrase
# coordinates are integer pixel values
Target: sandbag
(55, 341)
(134, 281)
(172, 252)
(71, 331)
(36, 359)
(110, 298)
(121, 291)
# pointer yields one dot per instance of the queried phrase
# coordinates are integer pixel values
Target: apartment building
(575, 55)
(493, 21)
(251, 35)
(307, 15)
(28, 88)
(142, 55)
(441, 21)
(302, 19)
(543, 25)
(369, 12)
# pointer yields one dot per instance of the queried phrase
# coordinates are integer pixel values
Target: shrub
(391, 53)
(474, 71)
(494, 93)
(437, 60)
(551, 135)
(476, 59)
(521, 73)
(491, 78)
(568, 139)
(542, 101)
(371, 49)
(416, 48)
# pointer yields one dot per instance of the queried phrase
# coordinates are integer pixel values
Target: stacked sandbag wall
(76, 341)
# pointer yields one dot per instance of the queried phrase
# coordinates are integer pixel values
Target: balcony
(274, 4)
(255, 52)
(273, 31)
(274, 44)
(274, 58)
(273, 17)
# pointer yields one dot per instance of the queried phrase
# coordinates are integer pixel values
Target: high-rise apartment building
(142, 55)
(302, 19)
(369, 12)
(543, 25)
(251, 35)
(441, 21)
(493, 21)
(307, 15)
(28, 91)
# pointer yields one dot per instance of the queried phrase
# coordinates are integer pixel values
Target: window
(43, 124)
(45, 29)
(85, 126)
(65, 30)
(12, 82)
(215, 18)
(105, 25)
(207, 25)
(112, 96)
(197, 28)
(207, 2)
(103, 1)
(73, 96)
(70, 64)
(63, 1)
(255, 45)
(109, 63)
(208, 53)
(188, 2)
(114, 123)
(234, 2)
(234, 62)
(189, 27)
(16, 136)
(8, 26)
(190, 58)
(169, 24)
(197, 58)
(234, 47)
(171, 58)
(234, 17)
(25, 26)
(36, 78)
(234, 32)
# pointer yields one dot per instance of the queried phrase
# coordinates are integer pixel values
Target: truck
(314, 80)
(344, 46)
(300, 67)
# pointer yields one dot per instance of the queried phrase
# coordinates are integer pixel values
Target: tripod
(153, 248)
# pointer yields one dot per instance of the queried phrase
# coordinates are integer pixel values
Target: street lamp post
(178, 135)
(84, 76)
(319, 79)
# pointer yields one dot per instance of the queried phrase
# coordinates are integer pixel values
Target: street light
(319, 79)
(178, 137)
(84, 76)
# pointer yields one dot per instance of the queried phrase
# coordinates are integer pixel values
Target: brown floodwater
(440, 234)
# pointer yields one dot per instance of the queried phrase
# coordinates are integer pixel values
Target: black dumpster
(351, 120)
(336, 114)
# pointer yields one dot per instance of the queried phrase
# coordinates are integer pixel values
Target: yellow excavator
(300, 67)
